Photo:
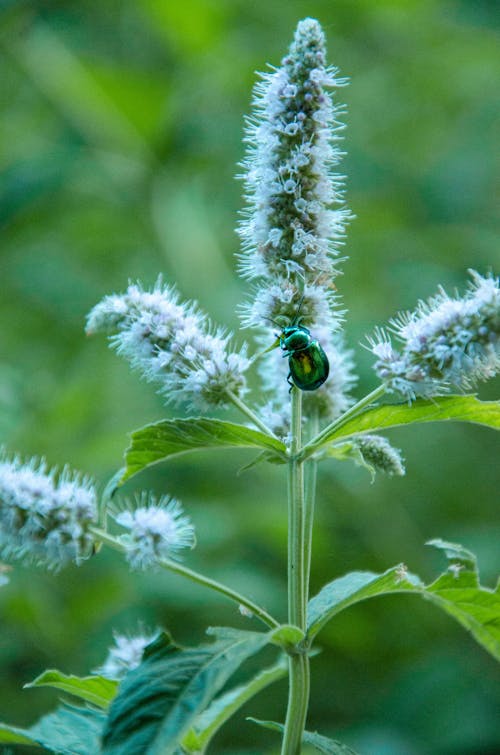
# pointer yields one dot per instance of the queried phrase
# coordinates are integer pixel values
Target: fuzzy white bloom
(294, 224)
(172, 344)
(45, 516)
(156, 530)
(445, 342)
(124, 656)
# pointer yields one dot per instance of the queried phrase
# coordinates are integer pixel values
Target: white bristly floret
(445, 342)
(125, 655)
(45, 516)
(156, 530)
(172, 344)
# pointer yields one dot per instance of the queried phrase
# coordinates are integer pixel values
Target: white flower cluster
(172, 344)
(156, 530)
(445, 342)
(295, 221)
(45, 517)
(124, 656)
(291, 229)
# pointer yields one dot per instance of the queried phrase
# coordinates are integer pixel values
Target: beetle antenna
(297, 315)
(271, 321)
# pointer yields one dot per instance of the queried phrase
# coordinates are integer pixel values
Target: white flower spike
(172, 344)
(45, 516)
(446, 342)
(294, 224)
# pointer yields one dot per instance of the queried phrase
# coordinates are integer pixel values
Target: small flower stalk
(156, 530)
(45, 516)
(294, 225)
(172, 344)
(446, 342)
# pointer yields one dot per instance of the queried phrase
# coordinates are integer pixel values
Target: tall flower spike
(294, 225)
(45, 517)
(172, 344)
(156, 530)
(445, 342)
(291, 230)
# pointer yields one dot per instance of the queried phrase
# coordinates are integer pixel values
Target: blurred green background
(120, 133)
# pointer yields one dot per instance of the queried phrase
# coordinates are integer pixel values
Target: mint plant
(150, 695)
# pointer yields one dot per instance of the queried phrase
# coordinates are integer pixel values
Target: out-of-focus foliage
(120, 131)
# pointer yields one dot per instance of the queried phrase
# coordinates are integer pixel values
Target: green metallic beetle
(308, 363)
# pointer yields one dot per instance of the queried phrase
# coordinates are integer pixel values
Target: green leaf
(66, 731)
(161, 440)
(348, 451)
(14, 735)
(212, 719)
(264, 456)
(326, 745)
(438, 409)
(353, 588)
(160, 700)
(456, 554)
(93, 689)
(320, 743)
(457, 592)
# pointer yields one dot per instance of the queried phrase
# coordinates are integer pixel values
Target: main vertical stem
(310, 488)
(298, 696)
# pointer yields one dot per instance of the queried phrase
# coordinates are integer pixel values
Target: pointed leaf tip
(457, 591)
(438, 409)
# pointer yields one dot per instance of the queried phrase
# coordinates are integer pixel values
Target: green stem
(298, 694)
(249, 413)
(200, 579)
(312, 474)
(317, 441)
(296, 503)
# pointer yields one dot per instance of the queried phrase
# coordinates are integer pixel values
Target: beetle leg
(290, 382)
